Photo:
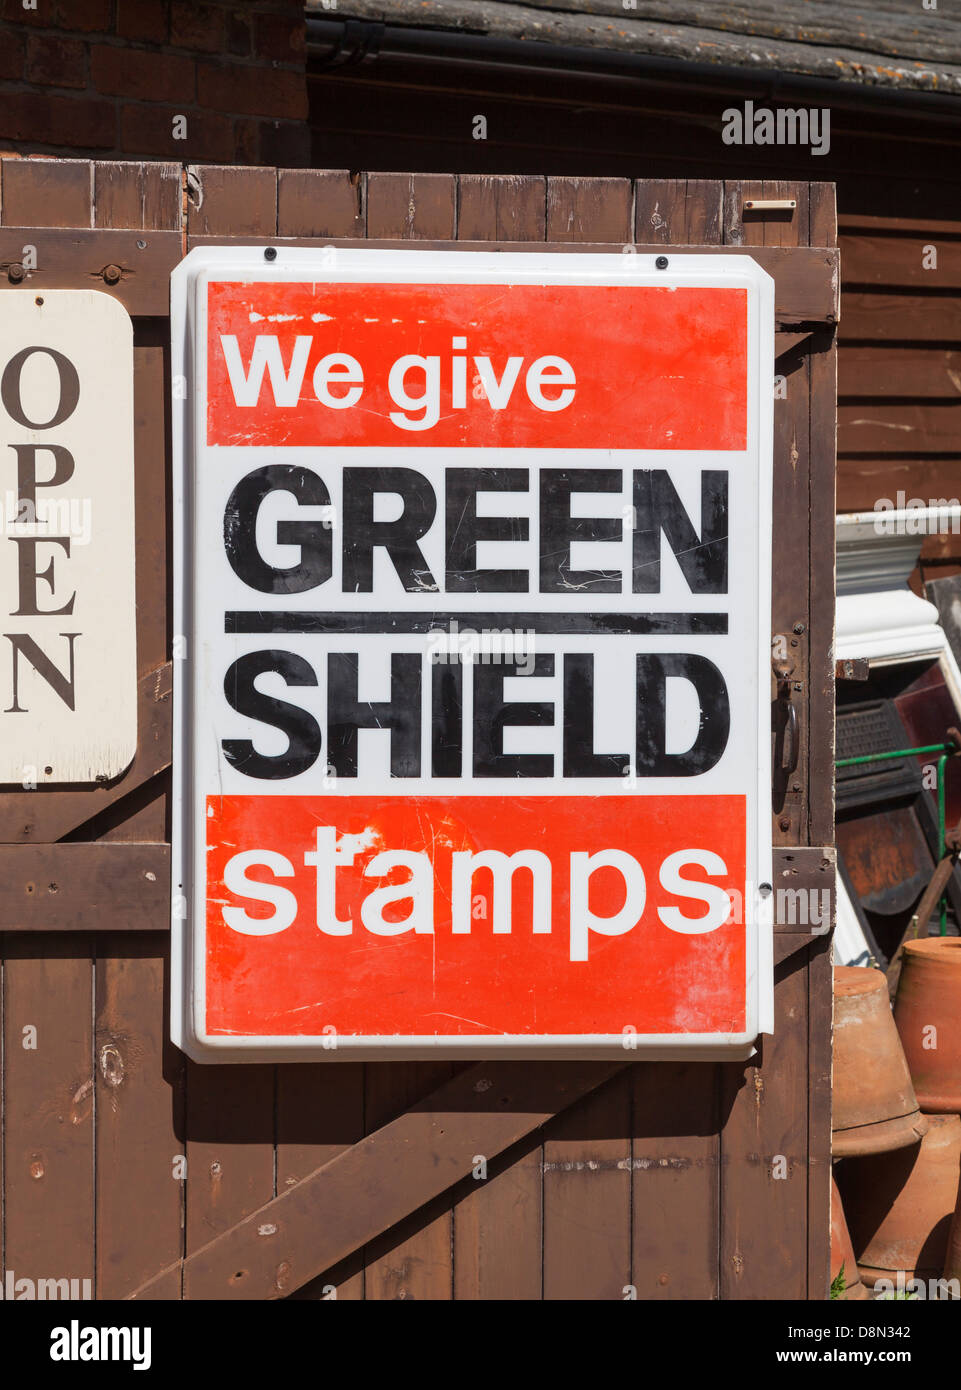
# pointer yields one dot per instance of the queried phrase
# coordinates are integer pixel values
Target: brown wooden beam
(806, 277)
(132, 266)
(102, 886)
(114, 875)
(806, 869)
(379, 1181)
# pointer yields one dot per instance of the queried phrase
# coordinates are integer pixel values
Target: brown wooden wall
(899, 368)
(302, 1179)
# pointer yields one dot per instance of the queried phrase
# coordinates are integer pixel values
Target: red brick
(143, 20)
(148, 130)
(280, 38)
(85, 15)
(198, 27)
(252, 91)
(55, 62)
(11, 56)
(131, 72)
(39, 118)
(238, 34)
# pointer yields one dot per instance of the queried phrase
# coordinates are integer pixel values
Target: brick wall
(165, 79)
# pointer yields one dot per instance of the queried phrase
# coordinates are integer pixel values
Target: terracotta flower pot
(899, 1205)
(842, 1251)
(875, 1108)
(926, 1012)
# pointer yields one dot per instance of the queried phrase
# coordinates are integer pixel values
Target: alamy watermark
(912, 516)
(24, 1289)
(48, 518)
(759, 125)
(489, 646)
(905, 1287)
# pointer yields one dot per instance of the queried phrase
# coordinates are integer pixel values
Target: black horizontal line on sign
(557, 624)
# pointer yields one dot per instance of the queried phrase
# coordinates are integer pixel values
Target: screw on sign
(473, 570)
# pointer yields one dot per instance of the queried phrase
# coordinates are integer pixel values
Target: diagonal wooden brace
(377, 1182)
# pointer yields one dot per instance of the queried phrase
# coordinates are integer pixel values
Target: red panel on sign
(555, 969)
(489, 366)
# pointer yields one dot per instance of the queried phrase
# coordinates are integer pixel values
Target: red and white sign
(473, 595)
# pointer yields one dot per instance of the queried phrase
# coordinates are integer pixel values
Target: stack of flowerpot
(927, 1012)
(897, 1117)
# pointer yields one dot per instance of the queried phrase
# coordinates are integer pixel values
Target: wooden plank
(45, 815)
(501, 207)
(320, 203)
(78, 257)
(901, 261)
(806, 279)
(164, 189)
(587, 1195)
(902, 318)
(675, 1174)
(410, 207)
(376, 1183)
(139, 1088)
(230, 1153)
(881, 428)
(49, 1108)
(227, 198)
(764, 1154)
(65, 887)
(851, 222)
(678, 211)
(704, 212)
(495, 1256)
(46, 192)
(862, 481)
(138, 194)
(876, 371)
(320, 1114)
(580, 209)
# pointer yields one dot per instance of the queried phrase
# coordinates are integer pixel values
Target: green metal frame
(946, 750)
